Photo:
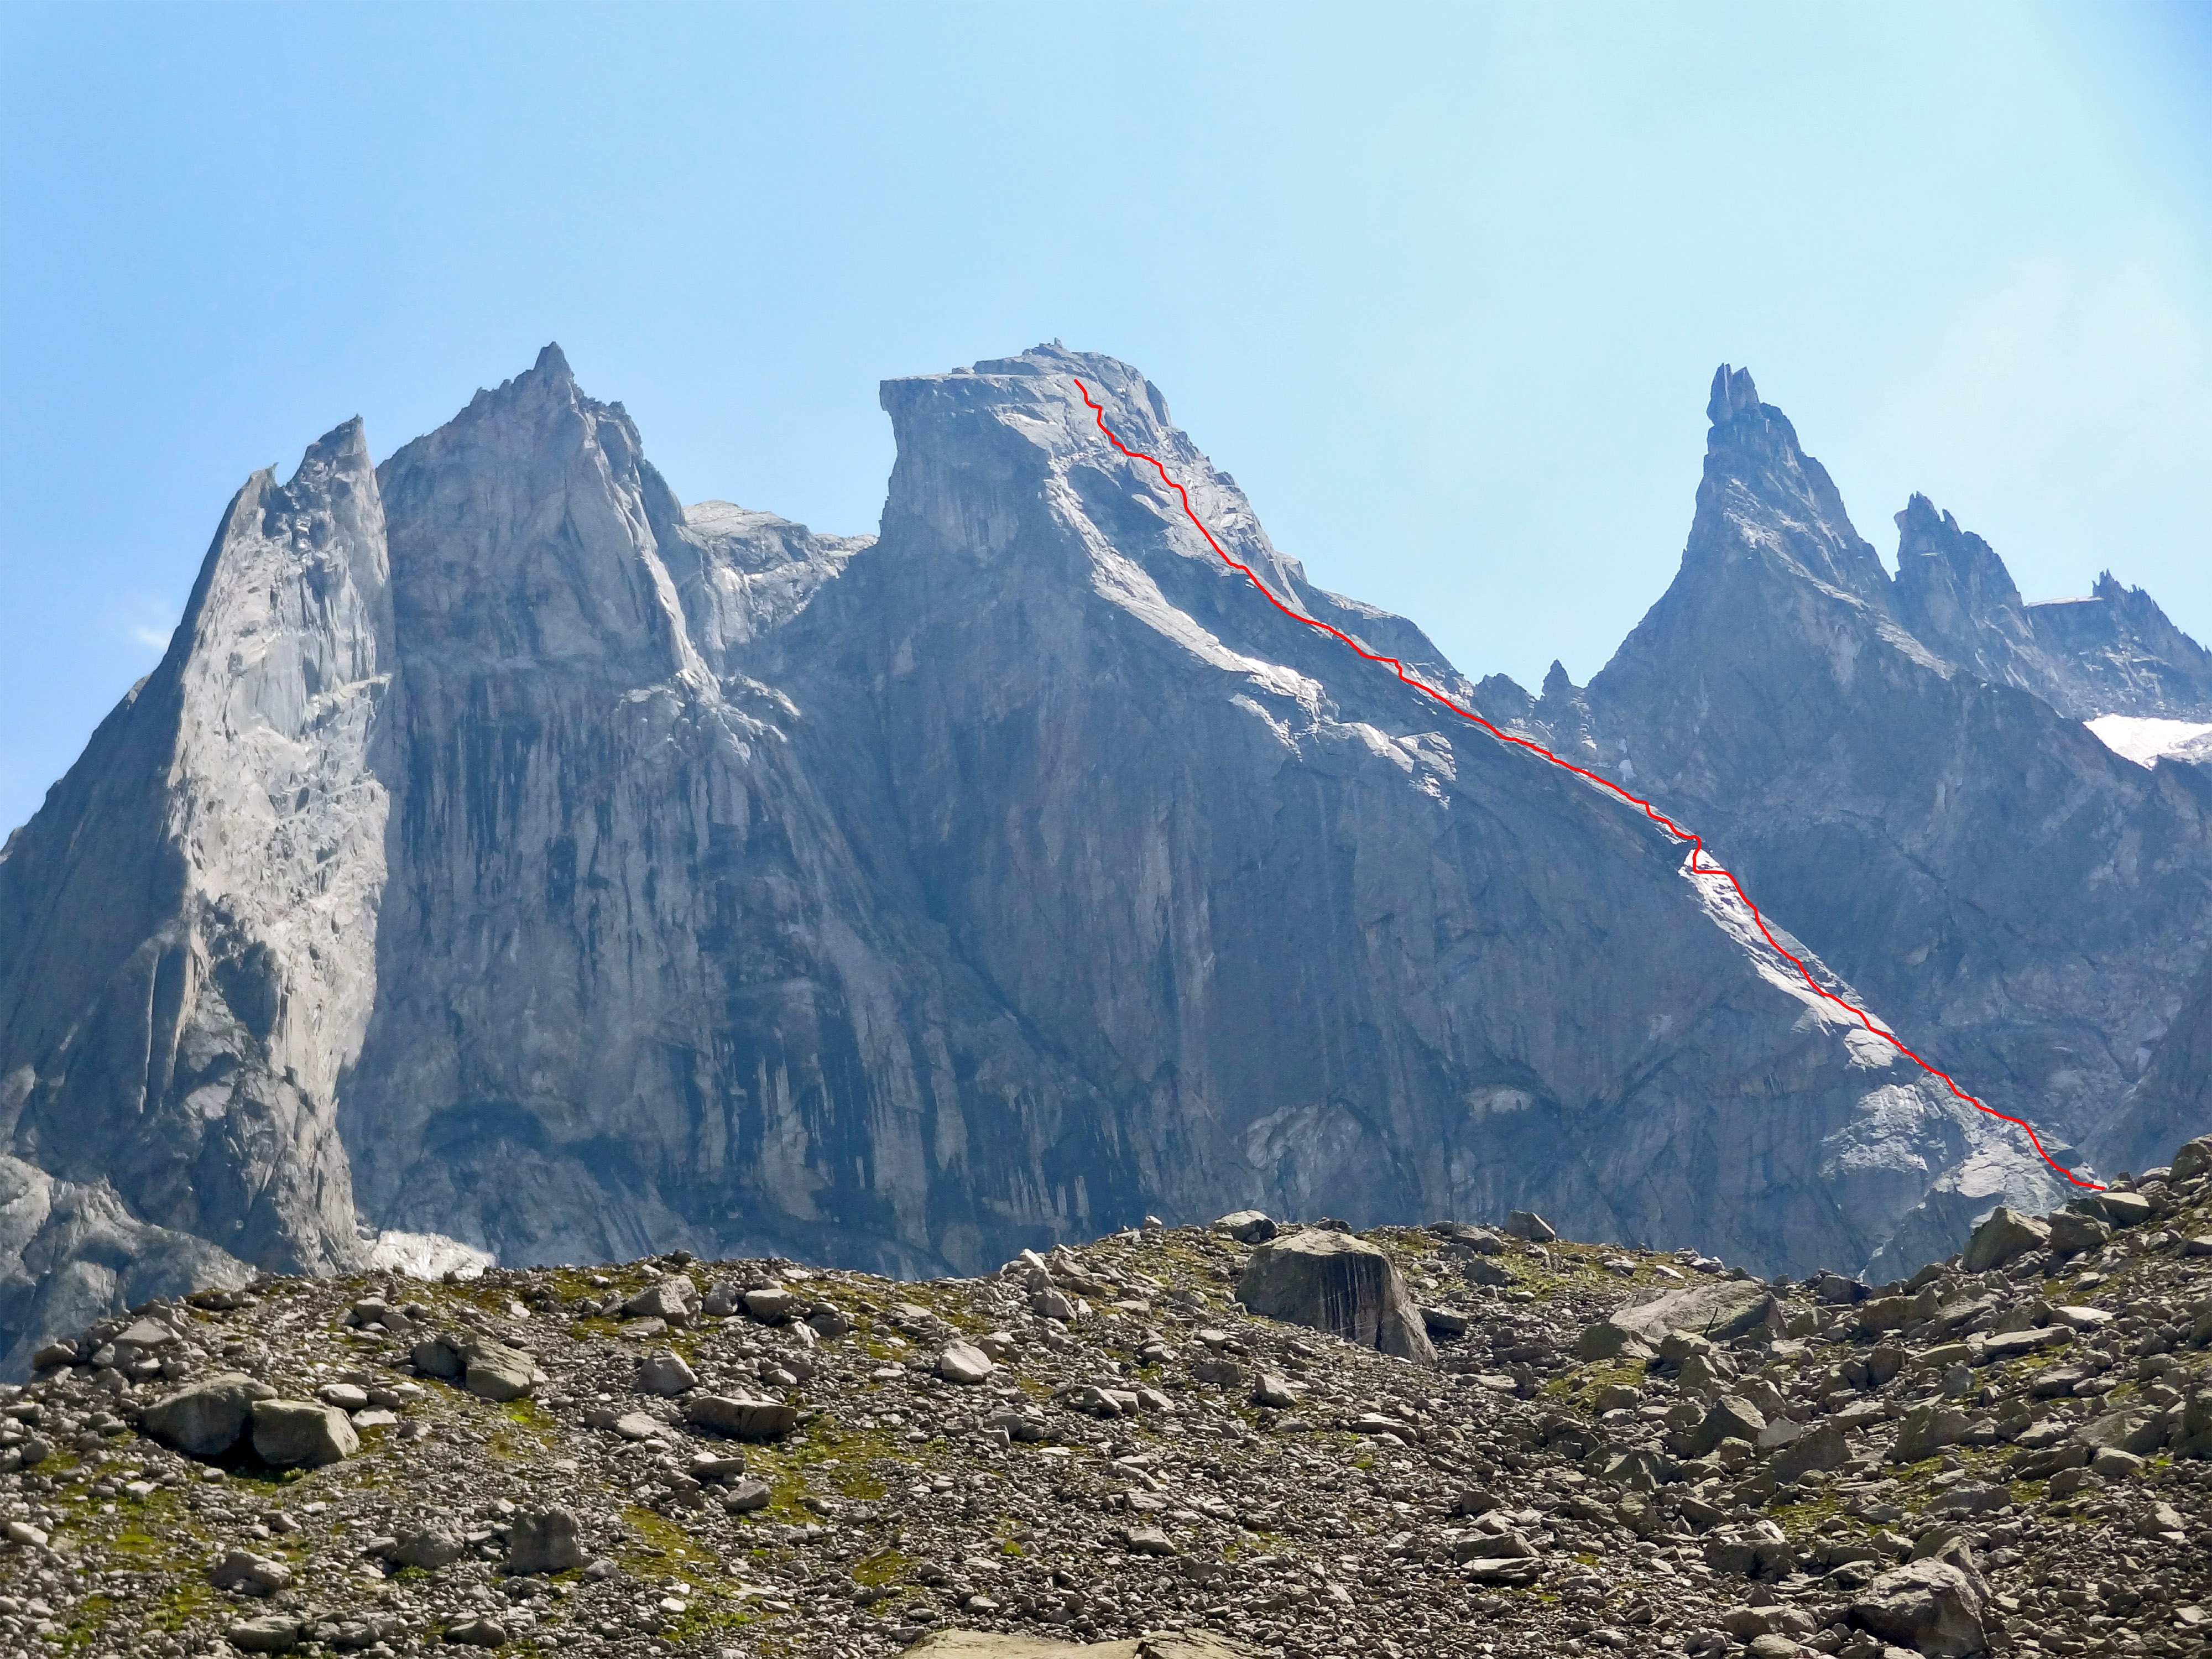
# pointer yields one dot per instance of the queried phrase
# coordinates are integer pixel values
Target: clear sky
(1444, 287)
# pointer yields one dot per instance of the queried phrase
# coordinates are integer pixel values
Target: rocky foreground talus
(1101, 1449)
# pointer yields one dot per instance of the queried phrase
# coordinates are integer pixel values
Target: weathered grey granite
(2029, 903)
(187, 927)
(2172, 1100)
(507, 852)
(70, 1253)
(1331, 1281)
(2114, 652)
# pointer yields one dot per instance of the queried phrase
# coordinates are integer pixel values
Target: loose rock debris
(1099, 1450)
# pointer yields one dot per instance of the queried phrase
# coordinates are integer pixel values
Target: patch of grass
(709, 1610)
(845, 1459)
(1581, 1386)
(661, 1538)
(187, 1600)
(713, 1602)
(883, 1567)
(1809, 1514)
(784, 1473)
(950, 1305)
(576, 1283)
(886, 1352)
(88, 1619)
(140, 1546)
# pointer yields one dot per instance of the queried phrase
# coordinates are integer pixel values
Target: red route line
(1697, 844)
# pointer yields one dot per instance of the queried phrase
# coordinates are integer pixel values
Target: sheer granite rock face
(611, 876)
(1338, 951)
(766, 943)
(2172, 1099)
(187, 927)
(1910, 803)
(640, 992)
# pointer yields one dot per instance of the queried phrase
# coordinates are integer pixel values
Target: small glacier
(427, 1255)
(2144, 740)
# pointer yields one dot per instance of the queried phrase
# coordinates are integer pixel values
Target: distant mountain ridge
(1899, 771)
(505, 851)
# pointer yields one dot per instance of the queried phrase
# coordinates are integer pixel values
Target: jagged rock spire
(1733, 395)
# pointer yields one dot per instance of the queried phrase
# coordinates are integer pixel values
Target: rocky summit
(1448, 1440)
(510, 863)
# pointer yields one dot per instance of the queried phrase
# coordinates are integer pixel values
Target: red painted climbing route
(1698, 864)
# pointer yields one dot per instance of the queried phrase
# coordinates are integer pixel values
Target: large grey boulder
(2138, 1429)
(744, 1496)
(1526, 1224)
(964, 1361)
(1727, 1418)
(1927, 1430)
(2001, 1239)
(208, 1417)
(142, 1337)
(274, 1632)
(249, 1574)
(1602, 1339)
(666, 1373)
(1718, 1309)
(429, 1548)
(1929, 1606)
(671, 1297)
(544, 1540)
(1822, 1447)
(1247, 1226)
(2194, 1438)
(444, 1355)
(486, 1367)
(1331, 1281)
(772, 1306)
(2123, 1209)
(497, 1372)
(743, 1418)
(2072, 1232)
(302, 1432)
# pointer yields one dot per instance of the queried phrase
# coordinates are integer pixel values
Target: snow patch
(1728, 912)
(2145, 741)
(1121, 581)
(427, 1255)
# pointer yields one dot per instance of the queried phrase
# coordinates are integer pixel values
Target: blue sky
(1443, 287)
